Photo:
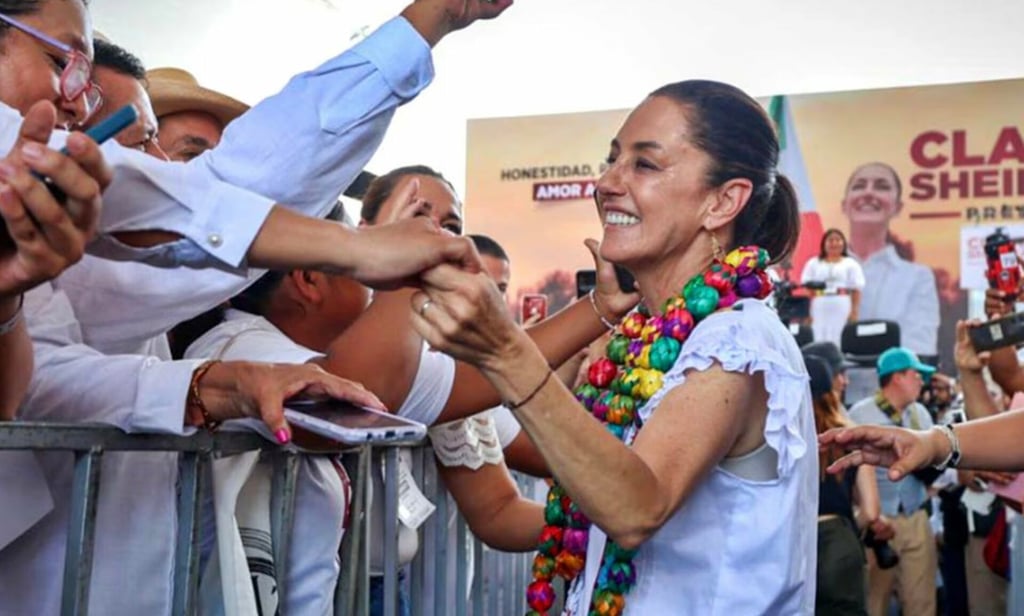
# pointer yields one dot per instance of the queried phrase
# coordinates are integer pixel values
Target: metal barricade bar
(390, 531)
(192, 473)
(78, 558)
(282, 513)
(497, 578)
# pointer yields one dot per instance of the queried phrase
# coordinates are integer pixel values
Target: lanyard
(895, 416)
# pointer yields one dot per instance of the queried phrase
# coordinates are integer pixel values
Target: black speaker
(863, 341)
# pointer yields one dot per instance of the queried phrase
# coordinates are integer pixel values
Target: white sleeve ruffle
(470, 442)
(752, 340)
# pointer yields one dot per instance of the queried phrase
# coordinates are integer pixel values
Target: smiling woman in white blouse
(839, 301)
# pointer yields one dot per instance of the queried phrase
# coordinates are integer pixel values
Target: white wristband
(12, 322)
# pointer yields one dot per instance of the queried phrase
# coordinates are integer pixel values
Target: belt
(834, 292)
(828, 516)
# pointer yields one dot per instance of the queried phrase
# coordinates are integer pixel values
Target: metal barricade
(88, 443)
(483, 581)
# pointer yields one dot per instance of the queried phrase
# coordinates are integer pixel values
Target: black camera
(885, 556)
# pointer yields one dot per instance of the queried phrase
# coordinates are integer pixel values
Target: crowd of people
(198, 270)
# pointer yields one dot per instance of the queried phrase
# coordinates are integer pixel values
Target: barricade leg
(353, 567)
(192, 472)
(81, 534)
(390, 531)
(282, 515)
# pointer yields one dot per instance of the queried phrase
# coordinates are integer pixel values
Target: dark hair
(381, 188)
(884, 380)
(118, 59)
(13, 8)
(486, 245)
(734, 130)
(824, 238)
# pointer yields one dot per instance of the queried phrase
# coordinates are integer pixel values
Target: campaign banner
(904, 173)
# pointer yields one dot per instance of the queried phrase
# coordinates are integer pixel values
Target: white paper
(413, 507)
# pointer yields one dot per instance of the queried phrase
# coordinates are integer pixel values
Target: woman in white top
(839, 302)
(699, 495)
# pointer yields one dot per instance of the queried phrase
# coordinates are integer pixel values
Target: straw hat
(173, 89)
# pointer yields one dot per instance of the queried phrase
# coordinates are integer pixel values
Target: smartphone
(347, 423)
(1004, 332)
(534, 308)
(111, 126)
(587, 280)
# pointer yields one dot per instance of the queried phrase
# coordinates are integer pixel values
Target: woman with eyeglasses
(161, 396)
(49, 80)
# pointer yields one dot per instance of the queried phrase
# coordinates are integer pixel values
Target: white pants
(828, 317)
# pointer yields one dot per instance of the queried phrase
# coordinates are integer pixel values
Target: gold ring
(423, 308)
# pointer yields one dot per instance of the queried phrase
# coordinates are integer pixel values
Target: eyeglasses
(75, 78)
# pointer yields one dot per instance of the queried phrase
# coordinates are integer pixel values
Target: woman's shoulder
(747, 337)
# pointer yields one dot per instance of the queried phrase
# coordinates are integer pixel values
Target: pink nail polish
(282, 436)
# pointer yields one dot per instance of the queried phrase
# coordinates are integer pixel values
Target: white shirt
(736, 546)
(349, 101)
(904, 292)
(251, 337)
(843, 274)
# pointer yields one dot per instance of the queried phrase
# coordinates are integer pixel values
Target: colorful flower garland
(643, 348)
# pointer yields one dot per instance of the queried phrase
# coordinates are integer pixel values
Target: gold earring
(716, 248)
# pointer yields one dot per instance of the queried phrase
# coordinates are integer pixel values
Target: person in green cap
(901, 377)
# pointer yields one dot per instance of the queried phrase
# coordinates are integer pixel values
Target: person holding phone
(699, 493)
(44, 238)
(279, 235)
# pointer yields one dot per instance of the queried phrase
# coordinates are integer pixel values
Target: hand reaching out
(435, 19)
(900, 450)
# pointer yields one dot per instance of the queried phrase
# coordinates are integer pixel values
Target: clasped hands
(463, 313)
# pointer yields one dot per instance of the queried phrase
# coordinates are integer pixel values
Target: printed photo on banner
(910, 176)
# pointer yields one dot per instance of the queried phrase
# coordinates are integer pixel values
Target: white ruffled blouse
(735, 546)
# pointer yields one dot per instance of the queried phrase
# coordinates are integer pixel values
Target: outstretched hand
(463, 315)
(394, 255)
(435, 19)
(902, 451)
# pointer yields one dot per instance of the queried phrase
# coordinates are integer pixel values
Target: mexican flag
(791, 165)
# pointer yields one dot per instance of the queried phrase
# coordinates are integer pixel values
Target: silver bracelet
(953, 459)
(12, 322)
(604, 321)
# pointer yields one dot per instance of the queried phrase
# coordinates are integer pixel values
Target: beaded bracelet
(515, 405)
(195, 401)
(12, 322)
(597, 311)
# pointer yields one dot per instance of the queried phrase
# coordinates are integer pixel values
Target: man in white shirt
(141, 393)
